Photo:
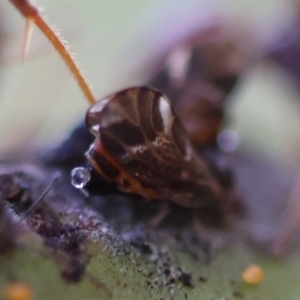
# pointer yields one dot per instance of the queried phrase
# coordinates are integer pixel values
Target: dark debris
(186, 279)
(238, 294)
(141, 245)
(203, 279)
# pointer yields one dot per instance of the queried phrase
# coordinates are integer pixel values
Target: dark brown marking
(145, 114)
(125, 183)
(126, 133)
(114, 147)
(108, 169)
(127, 104)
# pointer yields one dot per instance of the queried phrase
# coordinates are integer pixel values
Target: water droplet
(80, 177)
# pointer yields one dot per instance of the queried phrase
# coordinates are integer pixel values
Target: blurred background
(117, 43)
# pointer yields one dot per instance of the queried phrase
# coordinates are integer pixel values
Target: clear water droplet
(80, 177)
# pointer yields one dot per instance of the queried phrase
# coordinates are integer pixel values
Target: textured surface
(100, 248)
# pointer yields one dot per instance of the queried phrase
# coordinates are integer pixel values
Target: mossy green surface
(68, 233)
(120, 277)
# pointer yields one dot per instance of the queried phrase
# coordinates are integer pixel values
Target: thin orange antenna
(31, 13)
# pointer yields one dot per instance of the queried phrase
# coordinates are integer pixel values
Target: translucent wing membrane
(142, 146)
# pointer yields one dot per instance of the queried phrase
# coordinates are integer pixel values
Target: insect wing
(138, 133)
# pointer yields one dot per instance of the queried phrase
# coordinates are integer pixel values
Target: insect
(141, 144)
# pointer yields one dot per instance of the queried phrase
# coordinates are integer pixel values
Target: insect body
(142, 145)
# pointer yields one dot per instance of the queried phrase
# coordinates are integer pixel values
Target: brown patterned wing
(142, 146)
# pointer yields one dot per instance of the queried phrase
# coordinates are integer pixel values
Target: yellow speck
(18, 291)
(253, 274)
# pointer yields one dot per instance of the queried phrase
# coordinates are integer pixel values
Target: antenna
(32, 15)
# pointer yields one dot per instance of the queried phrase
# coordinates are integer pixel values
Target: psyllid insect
(141, 144)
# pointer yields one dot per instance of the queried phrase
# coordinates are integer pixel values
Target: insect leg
(159, 216)
(204, 241)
